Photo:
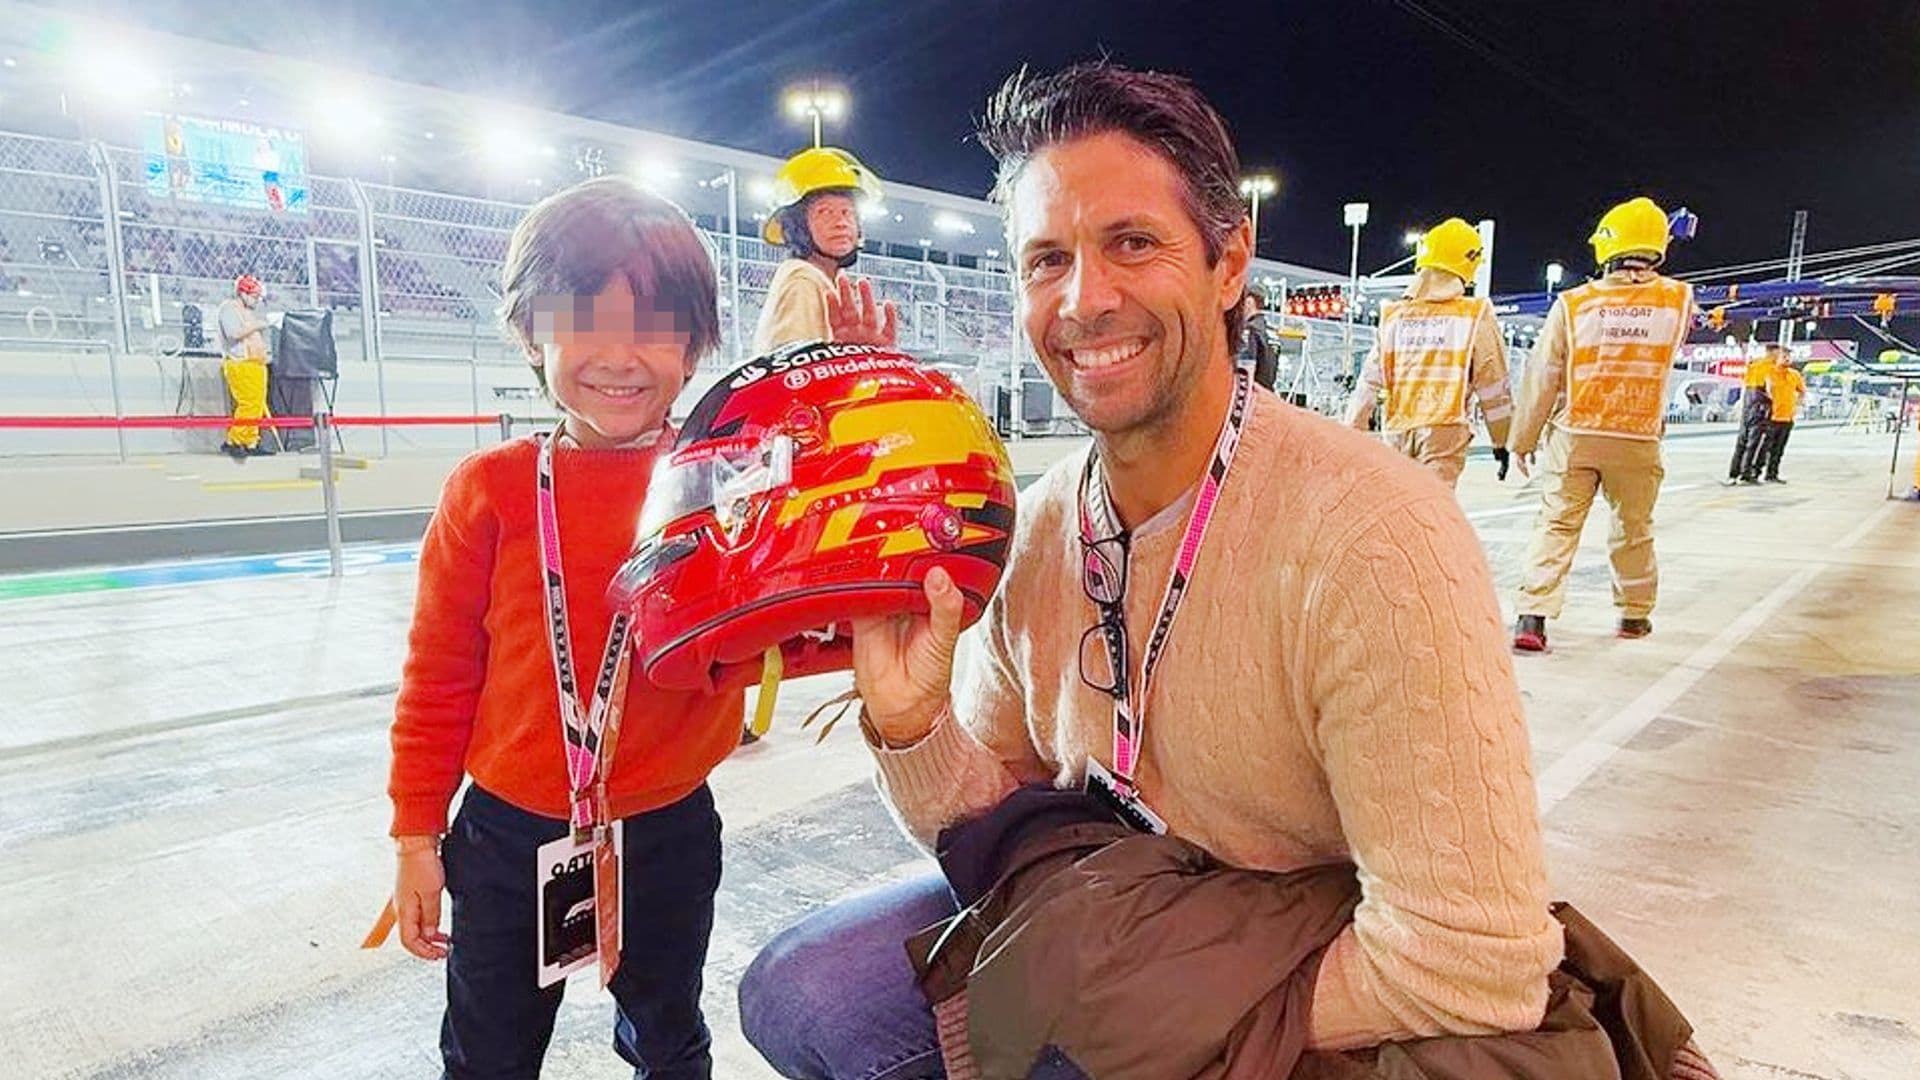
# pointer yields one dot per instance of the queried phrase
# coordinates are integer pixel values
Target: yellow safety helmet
(1637, 225)
(821, 168)
(1453, 246)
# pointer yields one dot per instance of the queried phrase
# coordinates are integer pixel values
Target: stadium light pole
(1555, 274)
(1355, 215)
(816, 103)
(731, 178)
(1255, 188)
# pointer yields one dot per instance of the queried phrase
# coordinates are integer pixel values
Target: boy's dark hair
(573, 242)
(1030, 113)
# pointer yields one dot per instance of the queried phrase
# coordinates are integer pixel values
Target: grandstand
(400, 228)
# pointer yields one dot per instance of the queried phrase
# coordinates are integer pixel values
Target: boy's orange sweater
(477, 694)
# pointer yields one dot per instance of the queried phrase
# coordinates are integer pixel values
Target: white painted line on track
(1574, 767)
(1505, 511)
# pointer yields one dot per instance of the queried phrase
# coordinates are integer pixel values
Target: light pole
(1355, 215)
(731, 178)
(815, 102)
(1555, 273)
(1255, 188)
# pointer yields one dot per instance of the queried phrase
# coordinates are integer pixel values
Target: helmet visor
(721, 480)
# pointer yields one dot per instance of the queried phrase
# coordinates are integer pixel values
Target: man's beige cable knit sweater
(1338, 685)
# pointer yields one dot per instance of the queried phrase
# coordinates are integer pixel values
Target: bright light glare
(1412, 238)
(803, 101)
(347, 114)
(761, 188)
(1259, 184)
(656, 173)
(952, 223)
(114, 72)
(505, 146)
(873, 211)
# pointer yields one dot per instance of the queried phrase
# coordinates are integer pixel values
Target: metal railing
(93, 248)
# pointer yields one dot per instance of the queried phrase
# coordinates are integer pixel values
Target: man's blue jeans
(833, 996)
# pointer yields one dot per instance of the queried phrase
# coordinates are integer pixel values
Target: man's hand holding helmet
(903, 664)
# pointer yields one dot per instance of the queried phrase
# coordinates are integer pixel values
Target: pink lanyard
(1129, 718)
(589, 733)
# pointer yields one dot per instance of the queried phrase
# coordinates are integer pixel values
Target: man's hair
(574, 241)
(1030, 113)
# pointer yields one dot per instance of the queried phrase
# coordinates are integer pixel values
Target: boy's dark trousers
(1777, 433)
(498, 1020)
(1756, 414)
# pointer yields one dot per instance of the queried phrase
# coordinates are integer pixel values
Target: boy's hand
(416, 899)
(903, 664)
(853, 318)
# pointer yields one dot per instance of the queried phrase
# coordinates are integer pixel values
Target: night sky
(1539, 115)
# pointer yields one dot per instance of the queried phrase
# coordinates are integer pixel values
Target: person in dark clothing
(1256, 348)
(1785, 388)
(1756, 416)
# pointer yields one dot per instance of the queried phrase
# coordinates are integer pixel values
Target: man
(1257, 353)
(1785, 387)
(1756, 412)
(1597, 387)
(243, 346)
(1436, 346)
(817, 218)
(1336, 687)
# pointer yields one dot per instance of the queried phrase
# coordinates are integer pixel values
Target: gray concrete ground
(39, 494)
(192, 808)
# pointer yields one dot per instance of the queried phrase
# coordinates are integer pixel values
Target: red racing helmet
(810, 487)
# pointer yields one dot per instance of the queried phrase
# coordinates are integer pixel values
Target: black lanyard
(1129, 704)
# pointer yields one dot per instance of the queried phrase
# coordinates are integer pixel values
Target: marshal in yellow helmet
(1635, 227)
(810, 172)
(1453, 246)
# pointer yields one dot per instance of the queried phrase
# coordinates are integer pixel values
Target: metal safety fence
(95, 252)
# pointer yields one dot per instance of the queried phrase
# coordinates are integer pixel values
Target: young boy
(612, 295)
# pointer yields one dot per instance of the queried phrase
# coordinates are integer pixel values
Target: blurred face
(1115, 290)
(250, 299)
(612, 364)
(834, 222)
